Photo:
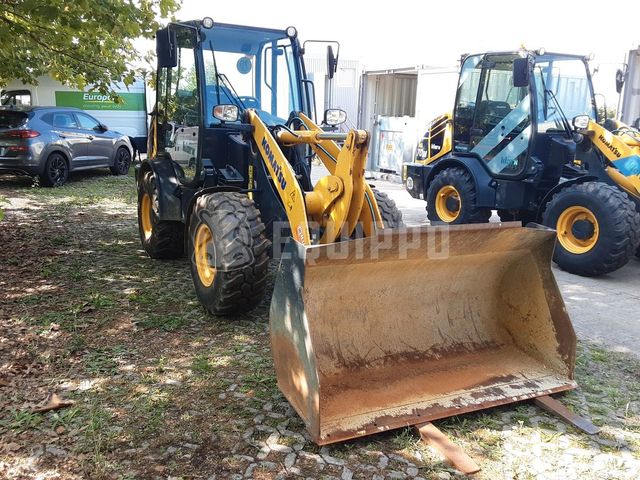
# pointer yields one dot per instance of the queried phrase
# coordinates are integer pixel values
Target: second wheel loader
(510, 146)
(363, 339)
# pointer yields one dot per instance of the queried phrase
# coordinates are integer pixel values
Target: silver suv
(50, 142)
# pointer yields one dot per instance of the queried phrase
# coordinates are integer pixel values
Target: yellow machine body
(438, 140)
(622, 148)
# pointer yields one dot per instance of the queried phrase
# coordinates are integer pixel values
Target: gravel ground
(163, 391)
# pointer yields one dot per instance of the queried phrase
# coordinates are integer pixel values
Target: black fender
(168, 186)
(484, 182)
(549, 195)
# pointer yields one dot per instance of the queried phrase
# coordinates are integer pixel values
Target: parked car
(51, 142)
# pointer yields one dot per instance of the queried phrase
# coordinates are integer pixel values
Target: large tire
(56, 171)
(391, 215)
(228, 252)
(160, 239)
(597, 225)
(451, 198)
(121, 162)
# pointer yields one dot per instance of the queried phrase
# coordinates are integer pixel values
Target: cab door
(178, 106)
(493, 117)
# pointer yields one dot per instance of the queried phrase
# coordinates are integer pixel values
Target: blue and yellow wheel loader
(359, 344)
(520, 141)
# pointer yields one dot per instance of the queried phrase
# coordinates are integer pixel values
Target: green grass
(23, 420)
(103, 361)
(90, 189)
(200, 364)
(167, 322)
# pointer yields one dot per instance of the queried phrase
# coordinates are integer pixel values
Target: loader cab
(511, 108)
(202, 65)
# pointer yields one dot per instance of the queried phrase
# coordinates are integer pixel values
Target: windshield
(255, 69)
(567, 79)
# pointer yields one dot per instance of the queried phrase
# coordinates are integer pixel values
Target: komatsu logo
(612, 148)
(279, 177)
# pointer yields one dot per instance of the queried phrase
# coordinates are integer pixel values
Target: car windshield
(566, 79)
(12, 119)
(252, 68)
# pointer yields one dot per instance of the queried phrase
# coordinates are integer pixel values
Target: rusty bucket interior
(418, 324)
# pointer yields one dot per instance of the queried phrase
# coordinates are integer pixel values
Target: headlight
(207, 22)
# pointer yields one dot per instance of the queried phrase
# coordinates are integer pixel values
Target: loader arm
(337, 202)
(328, 152)
(622, 152)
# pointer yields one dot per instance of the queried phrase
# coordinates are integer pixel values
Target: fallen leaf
(54, 403)
(60, 429)
(159, 468)
(12, 447)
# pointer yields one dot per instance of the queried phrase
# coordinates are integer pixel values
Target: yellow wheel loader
(363, 339)
(510, 146)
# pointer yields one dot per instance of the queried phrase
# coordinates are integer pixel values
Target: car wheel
(56, 171)
(122, 162)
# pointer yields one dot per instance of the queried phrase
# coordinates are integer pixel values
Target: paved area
(604, 310)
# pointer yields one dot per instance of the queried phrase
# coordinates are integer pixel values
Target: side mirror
(334, 116)
(226, 113)
(101, 127)
(332, 62)
(166, 48)
(581, 122)
(619, 80)
(521, 72)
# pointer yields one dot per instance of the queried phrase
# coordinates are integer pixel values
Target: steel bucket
(418, 324)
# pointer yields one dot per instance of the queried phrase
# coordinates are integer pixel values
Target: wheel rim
(202, 241)
(572, 233)
(145, 216)
(123, 160)
(57, 170)
(448, 203)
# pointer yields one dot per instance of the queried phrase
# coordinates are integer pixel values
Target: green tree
(78, 42)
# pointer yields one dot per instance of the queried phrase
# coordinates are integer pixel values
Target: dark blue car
(51, 142)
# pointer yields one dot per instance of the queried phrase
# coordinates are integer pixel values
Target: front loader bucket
(413, 325)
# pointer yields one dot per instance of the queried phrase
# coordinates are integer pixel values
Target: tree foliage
(80, 42)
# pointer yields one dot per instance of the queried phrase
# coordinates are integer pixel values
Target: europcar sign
(99, 101)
